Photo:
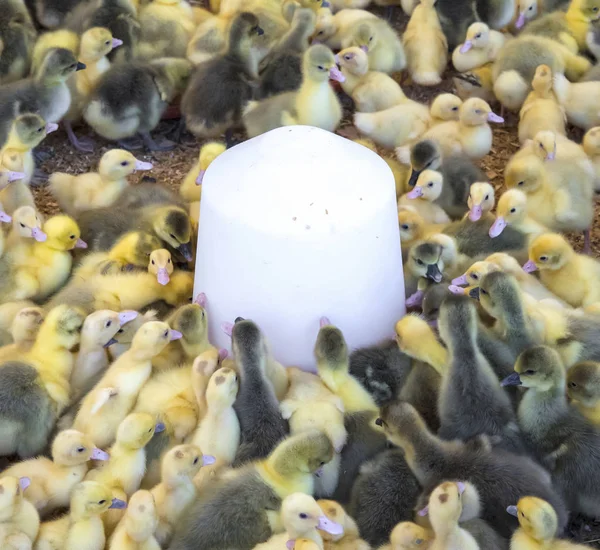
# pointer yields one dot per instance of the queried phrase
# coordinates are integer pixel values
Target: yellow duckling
(303, 544)
(480, 48)
(526, 10)
(77, 194)
(573, 277)
(24, 330)
(333, 29)
(481, 200)
(349, 539)
(541, 110)
(16, 513)
(113, 397)
(476, 83)
(417, 340)
(549, 146)
(423, 196)
(26, 224)
(61, 38)
(591, 146)
(413, 228)
(52, 481)
(471, 134)
(512, 210)
(445, 107)
(426, 45)
(161, 265)
(331, 353)
(538, 527)
(575, 98)
(409, 536)
(136, 530)
(583, 388)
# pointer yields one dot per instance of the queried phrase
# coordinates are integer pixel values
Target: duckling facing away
(136, 529)
(314, 104)
(19, 517)
(480, 47)
(583, 388)
(219, 88)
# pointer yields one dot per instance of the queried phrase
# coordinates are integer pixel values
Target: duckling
(470, 135)
(130, 98)
(426, 45)
(413, 228)
(191, 188)
(333, 29)
(583, 388)
(480, 47)
(26, 224)
(113, 397)
(52, 481)
(59, 38)
(445, 107)
(518, 60)
(569, 275)
(427, 191)
(301, 107)
(302, 518)
(16, 513)
(556, 431)
(208, 114)
(550, 146)
(513, 210)
(591, 146)
(349, 539)
(574, 98)
(47, 368)
(383, 46)
(541, 110)
(100, 189)
(425, 263)
(125, 335)
(481, 200)
(261, 427)
(161, 265)
(17, 34)
(136, 530)
(475, 83)
(371, 91)
(416, 339)
(498, 477)
(331, 353)
(24, 330)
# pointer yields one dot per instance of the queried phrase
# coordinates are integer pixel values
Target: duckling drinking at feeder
(424, 195)
(583, 388)
(480, 47)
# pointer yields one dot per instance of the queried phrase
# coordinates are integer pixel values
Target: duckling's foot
(83, 144)
(39, 178)
(164, 145)
(389, 13)
(41, 156)
(131, 144)
(587, 242)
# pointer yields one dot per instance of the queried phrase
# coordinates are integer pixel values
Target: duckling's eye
(169, 261)
(513, 210)
(454, 108)
(487, 198)
(101, 502)
(71, 237)
(320, 33)
(80, 449)
(302, 516)
(478, 35)
(321, 68)
(196, 460)
(418, 541)
(166, 333)
(322, 463)
(39, 130)
(521, 183)
(150, 430)
(73, 66)
(420, 262)
(172, 236)
(152, 262)
(543, 258)
(124, 163)
(541, 146)
(595, 9)
(405, 226)
(478, 111)
(572, 385)
(108, 323)
(347, 58)
(475, 277)
(120, 331)
(482, 291)
(529, 371)
(430, 184)
(370, 39)
(22, 224)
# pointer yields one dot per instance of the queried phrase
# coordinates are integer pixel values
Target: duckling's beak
(126, 316)
(140, 165)
(379, 422)
(99, 454)
(458, 290)
(415, 193)
(15, 176)
(434, 273)
(207, 460)
(461, 487)
(81, 66)
(497, 227)
(24, 482)
(413, 178)
(474, 293)
(174, 335)
(319, 472)
(162, 276)
(423, 512)
(511, 380)
(529, 267)
(238, 320)
(466, 46)
(336, 74)
(493, 117)
(201, 300)
(324, 322)
(290, 544)
(512, 510)
(160, 427)
(38, 235)
(200, 177)
(51, 127)
(462, 280)
(223, 354)
(80, 244)
(475, 213)
(227, 328)
(4, 217)
(520, 20)
(110, 343)
(118, 504)
(116, 42)
(260, 31)
(185, 250)
(365, 48)
(331, 527)
(552, 154)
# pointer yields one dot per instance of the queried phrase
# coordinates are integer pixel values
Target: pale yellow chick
(481, 200)
(445, 107)
(423, 196)
(591, 146)
(136, 530)
(480, 47)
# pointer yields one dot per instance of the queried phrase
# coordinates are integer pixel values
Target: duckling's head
(475, 112)
(331, 347)
(401, 424)
(27, 223)
(409, 536)
(411, 223)
(475, 273)
(542, 79)
(591, 142)
(524, 173)
(583, 383)
(365, 36)
(590, 9)
(172, 225)
(153, 337)
(117, 164)
(527, 10)
(141, 512)
(424, 260)
(208, 153)
(96, 43)
(135, 248)
(429, 186)
(222, 387)
(538, 367)
(182, 462)
(548, 251)
(161, 265)
(71, 448)
(325, 27)
(126, 333)
(26, 324)
(319, 64)
(191, 320)
(63, 325)
(90, 498)
(446, 107)
(537, 518)
(248, 343)
(415, 337)
(354, 60)
(544, 145)
(30, 129)
(245, 30)
(500, 295)
(58, 65)
(425, 155)
(478, 36)
(11, 492)
(301, 514)
(100, 327)
(481, 199)
(136, 430)
(304, 453)
(512, 209)
(445, 504)
(335, 512)
(63, 233)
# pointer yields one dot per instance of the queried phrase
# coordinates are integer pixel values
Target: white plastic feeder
(297, 224)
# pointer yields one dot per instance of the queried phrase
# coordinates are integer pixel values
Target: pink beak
(458, 290)
(99, 454)
(365, 49)
(51, 127)
(80, 244)
(174, 335)
(207, 460)
(462, 280)
(336, 74)
(140, 165)
(466, 46)
(227, 328)
(324, 321)
(15, 176)
(529, 267)
(38, 235)
(476, 213)
(331, 527)
(163, 276)
(290, 544)
(551, 156)
(424, 511)
(461, 487)
(415, 193)
(497, 227)
(126, 316)
(116, 42)
(24, 482)
(200, 177)
(493, 117)
(520, 21)
(223, 354)
(4, 217)
(201, 300)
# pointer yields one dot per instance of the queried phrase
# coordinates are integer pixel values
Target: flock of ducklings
(122, 427)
